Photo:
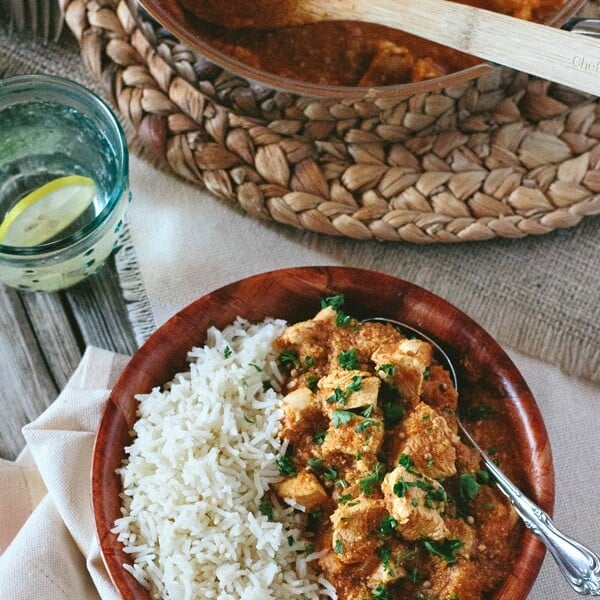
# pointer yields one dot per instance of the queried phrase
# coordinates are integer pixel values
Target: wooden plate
(293, 294)
(184, 26)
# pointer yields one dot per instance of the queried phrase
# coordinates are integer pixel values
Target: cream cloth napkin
(49, 546)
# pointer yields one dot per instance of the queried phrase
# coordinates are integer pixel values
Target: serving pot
(170, 14)
(483, 153)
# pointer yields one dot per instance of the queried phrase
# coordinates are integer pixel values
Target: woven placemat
(505, 155)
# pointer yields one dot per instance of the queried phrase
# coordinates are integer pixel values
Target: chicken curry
(396, 506)
(345, 53)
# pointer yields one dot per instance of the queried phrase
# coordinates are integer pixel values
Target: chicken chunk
(354, 524)
(426, 68)
(301, 416)
(429, 442)
(304, 490)
(416, 502)
(360, 439)
(391, 63)
(309, 338)
(403, 365)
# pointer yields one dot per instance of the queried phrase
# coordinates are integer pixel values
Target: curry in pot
(354, 54)
(396, 506)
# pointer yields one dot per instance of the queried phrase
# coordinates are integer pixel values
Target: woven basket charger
(505, 155)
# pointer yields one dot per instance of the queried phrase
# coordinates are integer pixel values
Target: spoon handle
(579, 565)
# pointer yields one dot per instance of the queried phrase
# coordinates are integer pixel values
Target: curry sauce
(396, 505)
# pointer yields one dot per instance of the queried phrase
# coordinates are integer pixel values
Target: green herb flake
(446, 549)
(289, 357)
(393, 412)
(367, 484)
(468, 486)
(315, 464)
(290, 540)
(335, 302)
(426, 374)
(379, 593)
(227, 352)
(266, 509)
(388, 525)
(311, 382)
(330, 474)
(257, 367)
(338, 547)
(338, 397)
(341, 417)
(286, 466)
(319, 437)
(348, 359)
(364, 425)
(388, 370)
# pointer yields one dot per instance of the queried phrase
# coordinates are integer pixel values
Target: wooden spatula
(543, 51)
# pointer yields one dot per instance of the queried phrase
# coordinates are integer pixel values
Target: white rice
(201, 461)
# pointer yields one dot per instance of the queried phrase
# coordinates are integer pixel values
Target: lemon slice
(47, 211)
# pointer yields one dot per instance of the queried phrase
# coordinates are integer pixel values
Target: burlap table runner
(538, 295)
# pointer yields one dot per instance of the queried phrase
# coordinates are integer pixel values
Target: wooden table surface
(42, 339)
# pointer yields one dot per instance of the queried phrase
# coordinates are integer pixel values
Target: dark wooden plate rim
(293, 294)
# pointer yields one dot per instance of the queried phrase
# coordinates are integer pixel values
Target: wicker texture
(505, 155)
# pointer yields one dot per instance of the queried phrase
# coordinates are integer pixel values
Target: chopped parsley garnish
(364, 425)
(289, 357)
(319, 437)
(380, 593)
(338, 547)
(227, 352)
(330, 474)
(316, 464)
(468, 486)
(266, 509)
(340, 396)
(344, 498)
(311, 382)
(388, 370)
(335, 302)
(446, 549)
(309, 361)
(286, 466)
(367, 484)
(348, 359)
(385, 554)
(257, 367)
(432, 493)
(341, 417)
(392, 413)
(426, 374)
(267, 385)
(388, 525)
(407, 462)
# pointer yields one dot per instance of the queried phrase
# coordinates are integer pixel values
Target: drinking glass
(63, 182)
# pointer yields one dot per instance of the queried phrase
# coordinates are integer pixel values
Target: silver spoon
(579, 565)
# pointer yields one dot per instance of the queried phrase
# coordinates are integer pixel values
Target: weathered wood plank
(42, 338)
(61, 345)
(27, 385)
(100, 313)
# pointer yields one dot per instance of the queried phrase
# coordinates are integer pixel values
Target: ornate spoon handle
(579, 565)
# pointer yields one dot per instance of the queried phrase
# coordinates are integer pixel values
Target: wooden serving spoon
(543, 51)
